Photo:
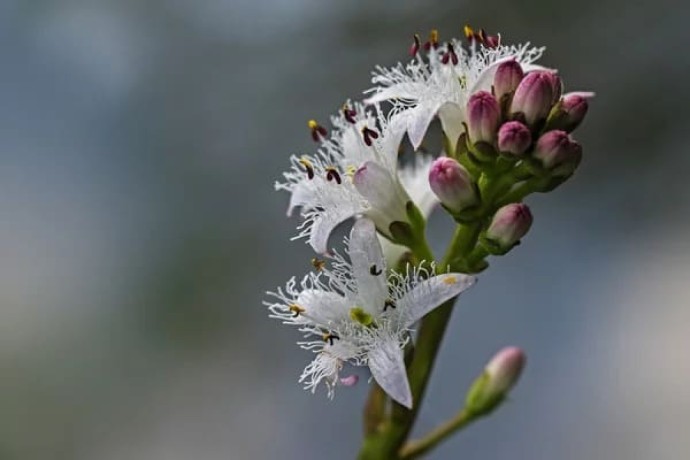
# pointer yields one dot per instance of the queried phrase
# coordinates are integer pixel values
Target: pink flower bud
(452, 184)
(573, 109)
(504, 370)
(500, 375)
(558, 152)
(556, 86)
(534, 96)
(510, 223)
(514, 138)
(507, 78)
(483, 116)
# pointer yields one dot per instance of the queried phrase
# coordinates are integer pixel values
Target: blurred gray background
(139, 230)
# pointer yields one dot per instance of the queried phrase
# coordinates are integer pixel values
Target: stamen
(416, 45)
(469, 33)
(450, 55)
(296, 310)
(332, 174)
(349, 114)
(318, 263)
(318, 132)
(492, 41)
(433, 40)
(480, 36)
(330, 337)
(350, 171)
(369, 134)
(375, 271)
(308, 167)
(389, 304)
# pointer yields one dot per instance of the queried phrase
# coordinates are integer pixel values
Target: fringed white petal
(452, 116)
(414, 178)
(322, 307)
(368, 266)
(324, 222)
(431, 293)
(384, 193)
(387, 366)
(418, 121)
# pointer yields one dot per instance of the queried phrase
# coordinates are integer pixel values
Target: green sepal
(494, 247)
(557, 118)
(478, 401)
(463, 265)
(401, 233)
(482, 151)
(415, 217)
(467, 215)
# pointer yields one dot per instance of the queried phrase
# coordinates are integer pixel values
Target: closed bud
(499, 377)
(483, 116)
(507, 78)
(570, 112)
(534, 96)
(514, 138)
(558, 152)
(510, 223)
(556, 86)
(452, 184)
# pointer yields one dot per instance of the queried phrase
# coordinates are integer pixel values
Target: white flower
(355, 172)
(424, 88)
(360, 315)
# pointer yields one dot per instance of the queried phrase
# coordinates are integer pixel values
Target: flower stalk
(507, 133)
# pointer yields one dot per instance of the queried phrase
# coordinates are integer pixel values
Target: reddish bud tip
(514, 138)
(483, 116)
(452, 184)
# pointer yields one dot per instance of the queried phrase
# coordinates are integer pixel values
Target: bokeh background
(139, 230)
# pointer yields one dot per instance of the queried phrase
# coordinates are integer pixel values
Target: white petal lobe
(388, 369)
(368, 266)
(431, 293)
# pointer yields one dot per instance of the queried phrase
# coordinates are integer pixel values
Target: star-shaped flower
(355, 172)
(360, 314)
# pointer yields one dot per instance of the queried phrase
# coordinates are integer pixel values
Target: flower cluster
(507, 129)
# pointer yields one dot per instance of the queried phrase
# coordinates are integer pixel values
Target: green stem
(374, 409)
(420, 447)
(463, 242)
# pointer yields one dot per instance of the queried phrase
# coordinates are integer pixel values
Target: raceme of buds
(558, 152)
(483, 116)
(499, 377)
(507, 78)
(534, 96)
(514, 138)
(510, 223)
(452, 184)
(569, 112)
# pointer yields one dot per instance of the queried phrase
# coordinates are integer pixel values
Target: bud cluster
(517, 140)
